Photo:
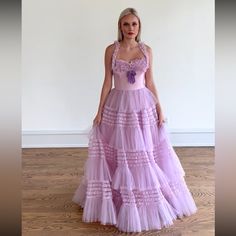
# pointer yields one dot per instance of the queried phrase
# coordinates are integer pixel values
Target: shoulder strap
(115, 52)
(143, 48)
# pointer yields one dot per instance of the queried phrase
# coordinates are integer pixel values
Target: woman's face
(129, 26)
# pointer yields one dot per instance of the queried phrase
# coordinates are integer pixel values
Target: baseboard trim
(78, 138)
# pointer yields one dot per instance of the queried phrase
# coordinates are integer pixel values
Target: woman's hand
(97, 119)
(161, 118)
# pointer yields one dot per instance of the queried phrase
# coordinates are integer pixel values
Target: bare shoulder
(148, 49)
(109, 49)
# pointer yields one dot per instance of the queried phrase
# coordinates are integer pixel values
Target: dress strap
(143, 48)
(116, 42)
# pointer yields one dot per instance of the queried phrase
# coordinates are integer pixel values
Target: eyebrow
(131, 22)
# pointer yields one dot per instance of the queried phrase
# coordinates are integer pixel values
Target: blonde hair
(126, 12)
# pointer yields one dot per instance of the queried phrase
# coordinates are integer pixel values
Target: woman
(133, 178)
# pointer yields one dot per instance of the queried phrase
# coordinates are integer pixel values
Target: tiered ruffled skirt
(132, 178)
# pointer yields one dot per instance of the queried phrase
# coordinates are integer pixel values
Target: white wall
(63, 43)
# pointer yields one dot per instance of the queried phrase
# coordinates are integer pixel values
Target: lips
(130, 33)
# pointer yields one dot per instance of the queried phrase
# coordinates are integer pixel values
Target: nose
(131, 27)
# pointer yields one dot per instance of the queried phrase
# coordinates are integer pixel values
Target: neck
(129, 43)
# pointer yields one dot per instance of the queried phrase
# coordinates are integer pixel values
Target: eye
(125, 23)
(134, 23)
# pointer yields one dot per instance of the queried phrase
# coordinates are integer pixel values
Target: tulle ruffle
(132, 178)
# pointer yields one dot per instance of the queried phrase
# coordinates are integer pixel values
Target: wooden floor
(50, 177)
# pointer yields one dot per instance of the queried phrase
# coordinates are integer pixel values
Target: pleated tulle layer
(132, 178)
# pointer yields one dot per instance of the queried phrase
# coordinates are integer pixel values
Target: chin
(131, 36)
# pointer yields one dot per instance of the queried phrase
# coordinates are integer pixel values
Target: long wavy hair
(126, 12)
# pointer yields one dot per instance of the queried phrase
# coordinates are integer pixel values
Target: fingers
(160, 122)
(96, 122)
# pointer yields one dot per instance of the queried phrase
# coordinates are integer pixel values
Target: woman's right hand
(97, 119)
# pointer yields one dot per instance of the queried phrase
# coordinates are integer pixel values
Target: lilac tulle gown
(132, 178)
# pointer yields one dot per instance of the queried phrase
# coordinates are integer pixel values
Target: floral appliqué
(131, 76)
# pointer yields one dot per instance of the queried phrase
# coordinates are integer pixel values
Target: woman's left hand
(161, 118)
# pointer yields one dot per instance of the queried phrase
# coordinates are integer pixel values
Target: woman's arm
(107, 83)
(151, 85)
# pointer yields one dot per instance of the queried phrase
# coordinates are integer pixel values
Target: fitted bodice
(129, 75)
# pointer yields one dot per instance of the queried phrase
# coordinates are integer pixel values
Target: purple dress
(132, 178)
